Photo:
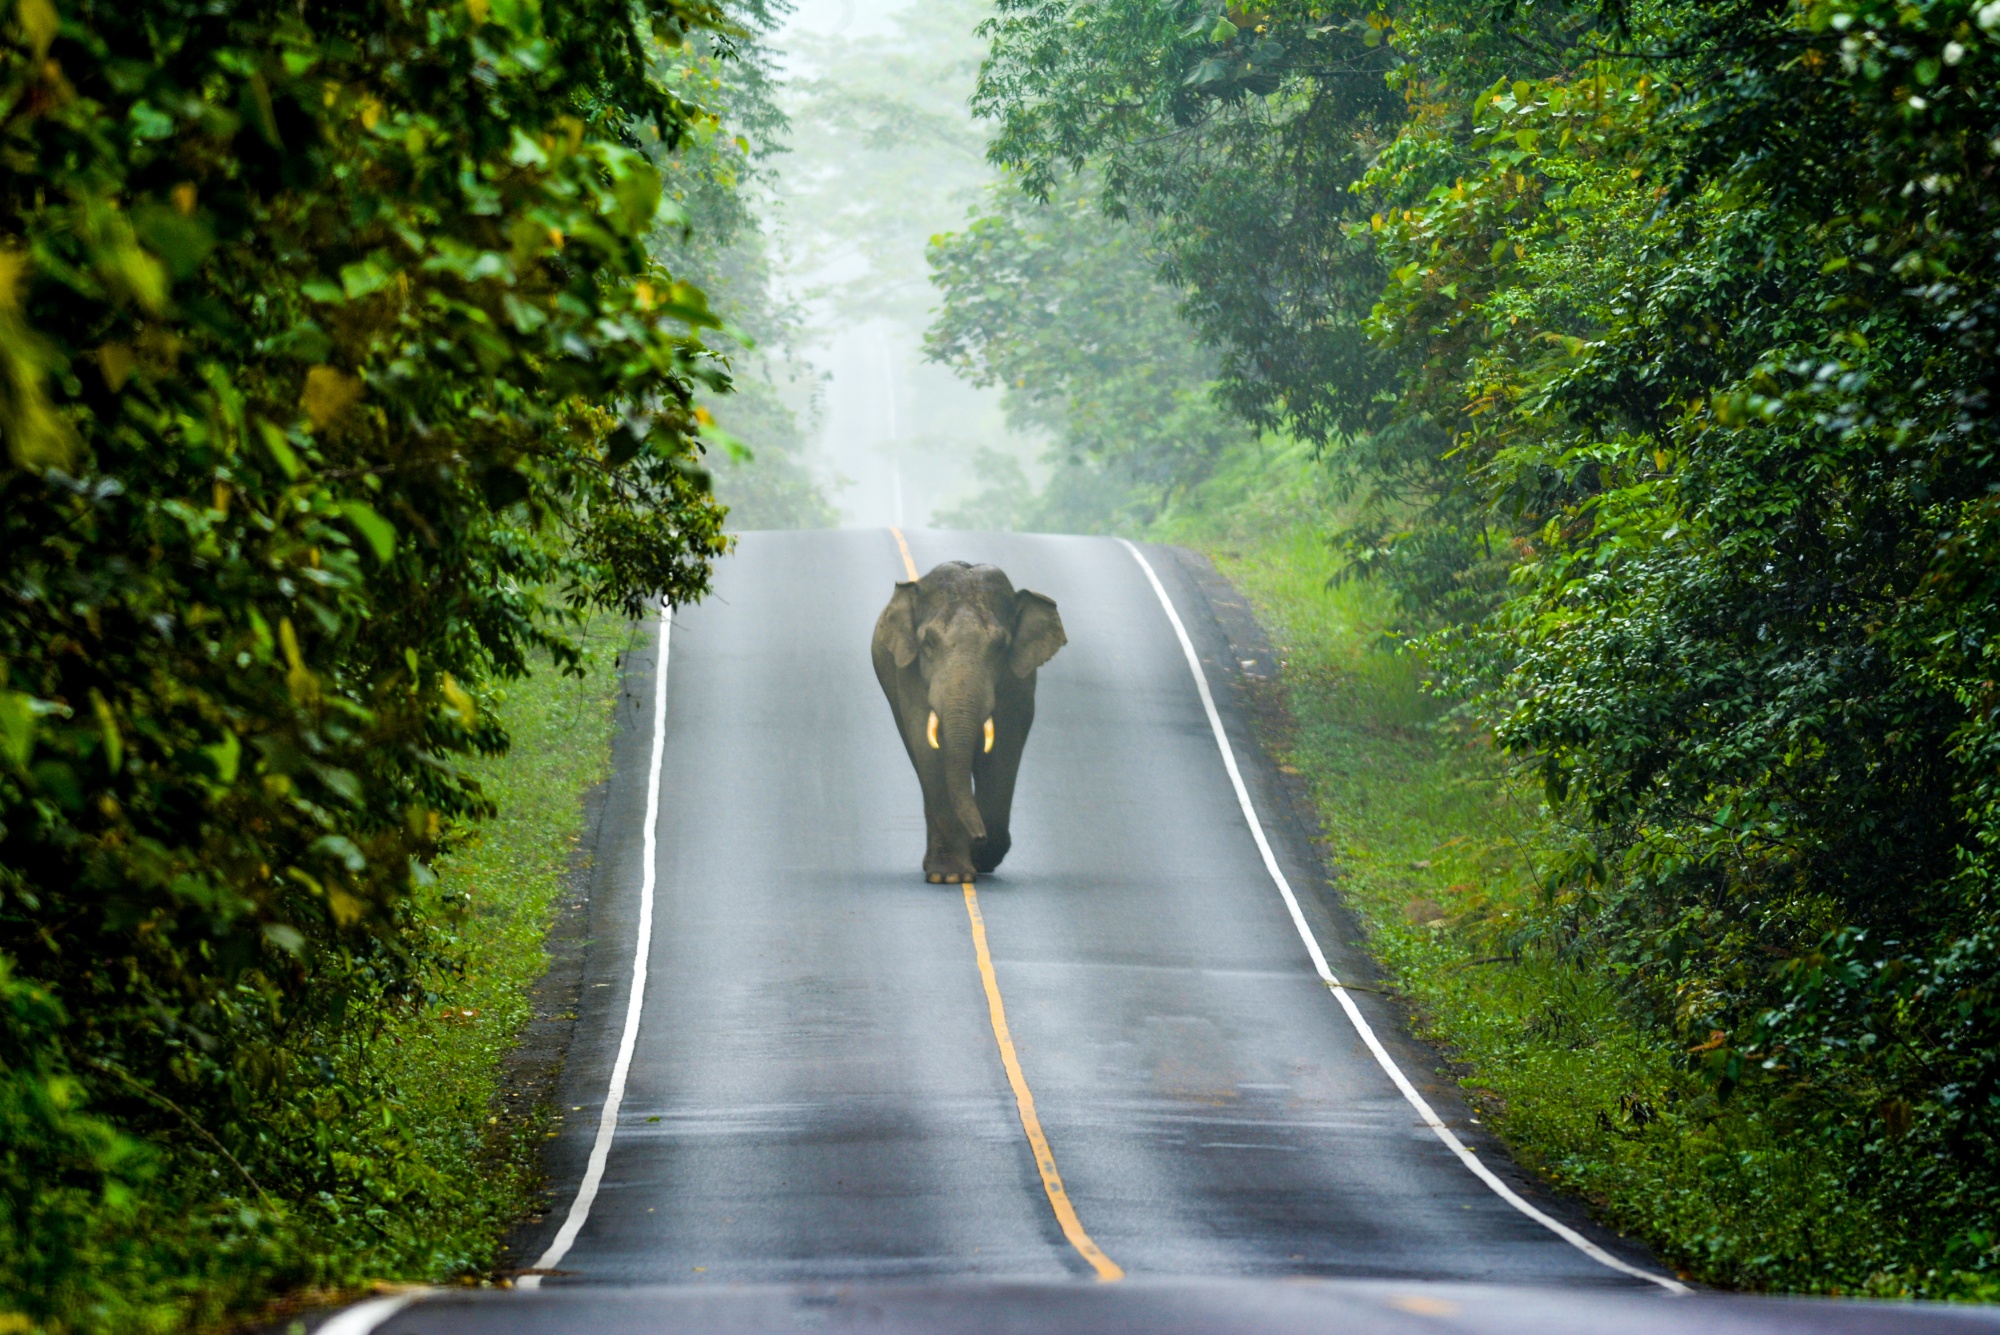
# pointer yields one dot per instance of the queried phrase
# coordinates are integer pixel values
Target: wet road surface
(814, 1102)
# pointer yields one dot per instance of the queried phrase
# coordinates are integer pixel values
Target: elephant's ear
(896, 628)
(1038, 632)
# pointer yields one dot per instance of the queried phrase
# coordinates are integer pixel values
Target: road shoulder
(1246, 674)
(564, 1059)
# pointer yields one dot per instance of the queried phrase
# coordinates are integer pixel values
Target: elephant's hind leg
(987, 852)
(993, 778)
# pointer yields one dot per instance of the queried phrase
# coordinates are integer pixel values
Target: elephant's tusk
(989, 735)
(931, 731)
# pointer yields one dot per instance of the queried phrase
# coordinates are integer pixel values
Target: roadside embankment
(475, 1096)
(400, 1139)
(1437, 845)
(466, 1078)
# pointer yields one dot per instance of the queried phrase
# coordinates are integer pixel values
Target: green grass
(455, 1163)
(497, 896)
(386, 1147)
(1437, 846)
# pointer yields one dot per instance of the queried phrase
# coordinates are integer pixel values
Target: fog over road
(815, 1097)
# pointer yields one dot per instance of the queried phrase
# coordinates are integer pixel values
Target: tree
(1683, 337)
(1237, 135)
(1063, 310)
(336, 379)
(715, 241)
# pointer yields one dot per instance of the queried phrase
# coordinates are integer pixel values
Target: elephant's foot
(948, 866)
(987, 852)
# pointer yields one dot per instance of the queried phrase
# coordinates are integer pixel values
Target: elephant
(956, 653)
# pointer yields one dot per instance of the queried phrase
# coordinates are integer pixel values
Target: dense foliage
(1067, 316)
(881, 148)
(714, 175)
(1240, 138)
(337, 378)
(1662, 337)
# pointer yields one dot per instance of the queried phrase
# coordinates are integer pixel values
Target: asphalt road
(815, 1102)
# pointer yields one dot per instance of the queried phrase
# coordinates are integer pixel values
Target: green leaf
(525, 152)
(255, 107)
(58, 781)
(149, 122)
(342, 849)
(342, 783)
(17, 727)
(280, 450)
(364, 277)
(225, 758)
(637, 192)
(39, 24)
(688, 303)
(182, 240)
(107, 727)
(523, 16)
(285, 937)
(379, 532)
(731, 444)
(526, 316)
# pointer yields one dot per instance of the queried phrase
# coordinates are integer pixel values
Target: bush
(336, 380)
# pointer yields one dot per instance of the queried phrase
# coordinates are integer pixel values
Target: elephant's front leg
(948, 848)
(948, 856)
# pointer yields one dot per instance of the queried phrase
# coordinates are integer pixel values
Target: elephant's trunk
(959, 743)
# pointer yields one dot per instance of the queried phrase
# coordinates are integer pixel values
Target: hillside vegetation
(349, 367)
(1595, 395)
(1598, 397)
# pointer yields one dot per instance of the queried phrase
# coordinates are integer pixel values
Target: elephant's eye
(989, 734)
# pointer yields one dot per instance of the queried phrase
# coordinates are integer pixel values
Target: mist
(883, 154)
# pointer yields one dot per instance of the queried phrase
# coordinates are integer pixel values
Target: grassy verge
(461, 1161)
(498, 895)
(385, 1146)
(1438, 846)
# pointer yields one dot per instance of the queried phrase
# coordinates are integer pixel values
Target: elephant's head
(968, 630)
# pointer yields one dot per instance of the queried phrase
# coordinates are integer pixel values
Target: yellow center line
(1024, 1098)
(908, 565)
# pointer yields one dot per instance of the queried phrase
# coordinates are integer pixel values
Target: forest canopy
(353, 354)
(1652, 349)
(340, 379)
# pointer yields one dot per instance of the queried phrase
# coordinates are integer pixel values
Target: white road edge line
(364, 1317)
(607, 1122)
(1354, 1015)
